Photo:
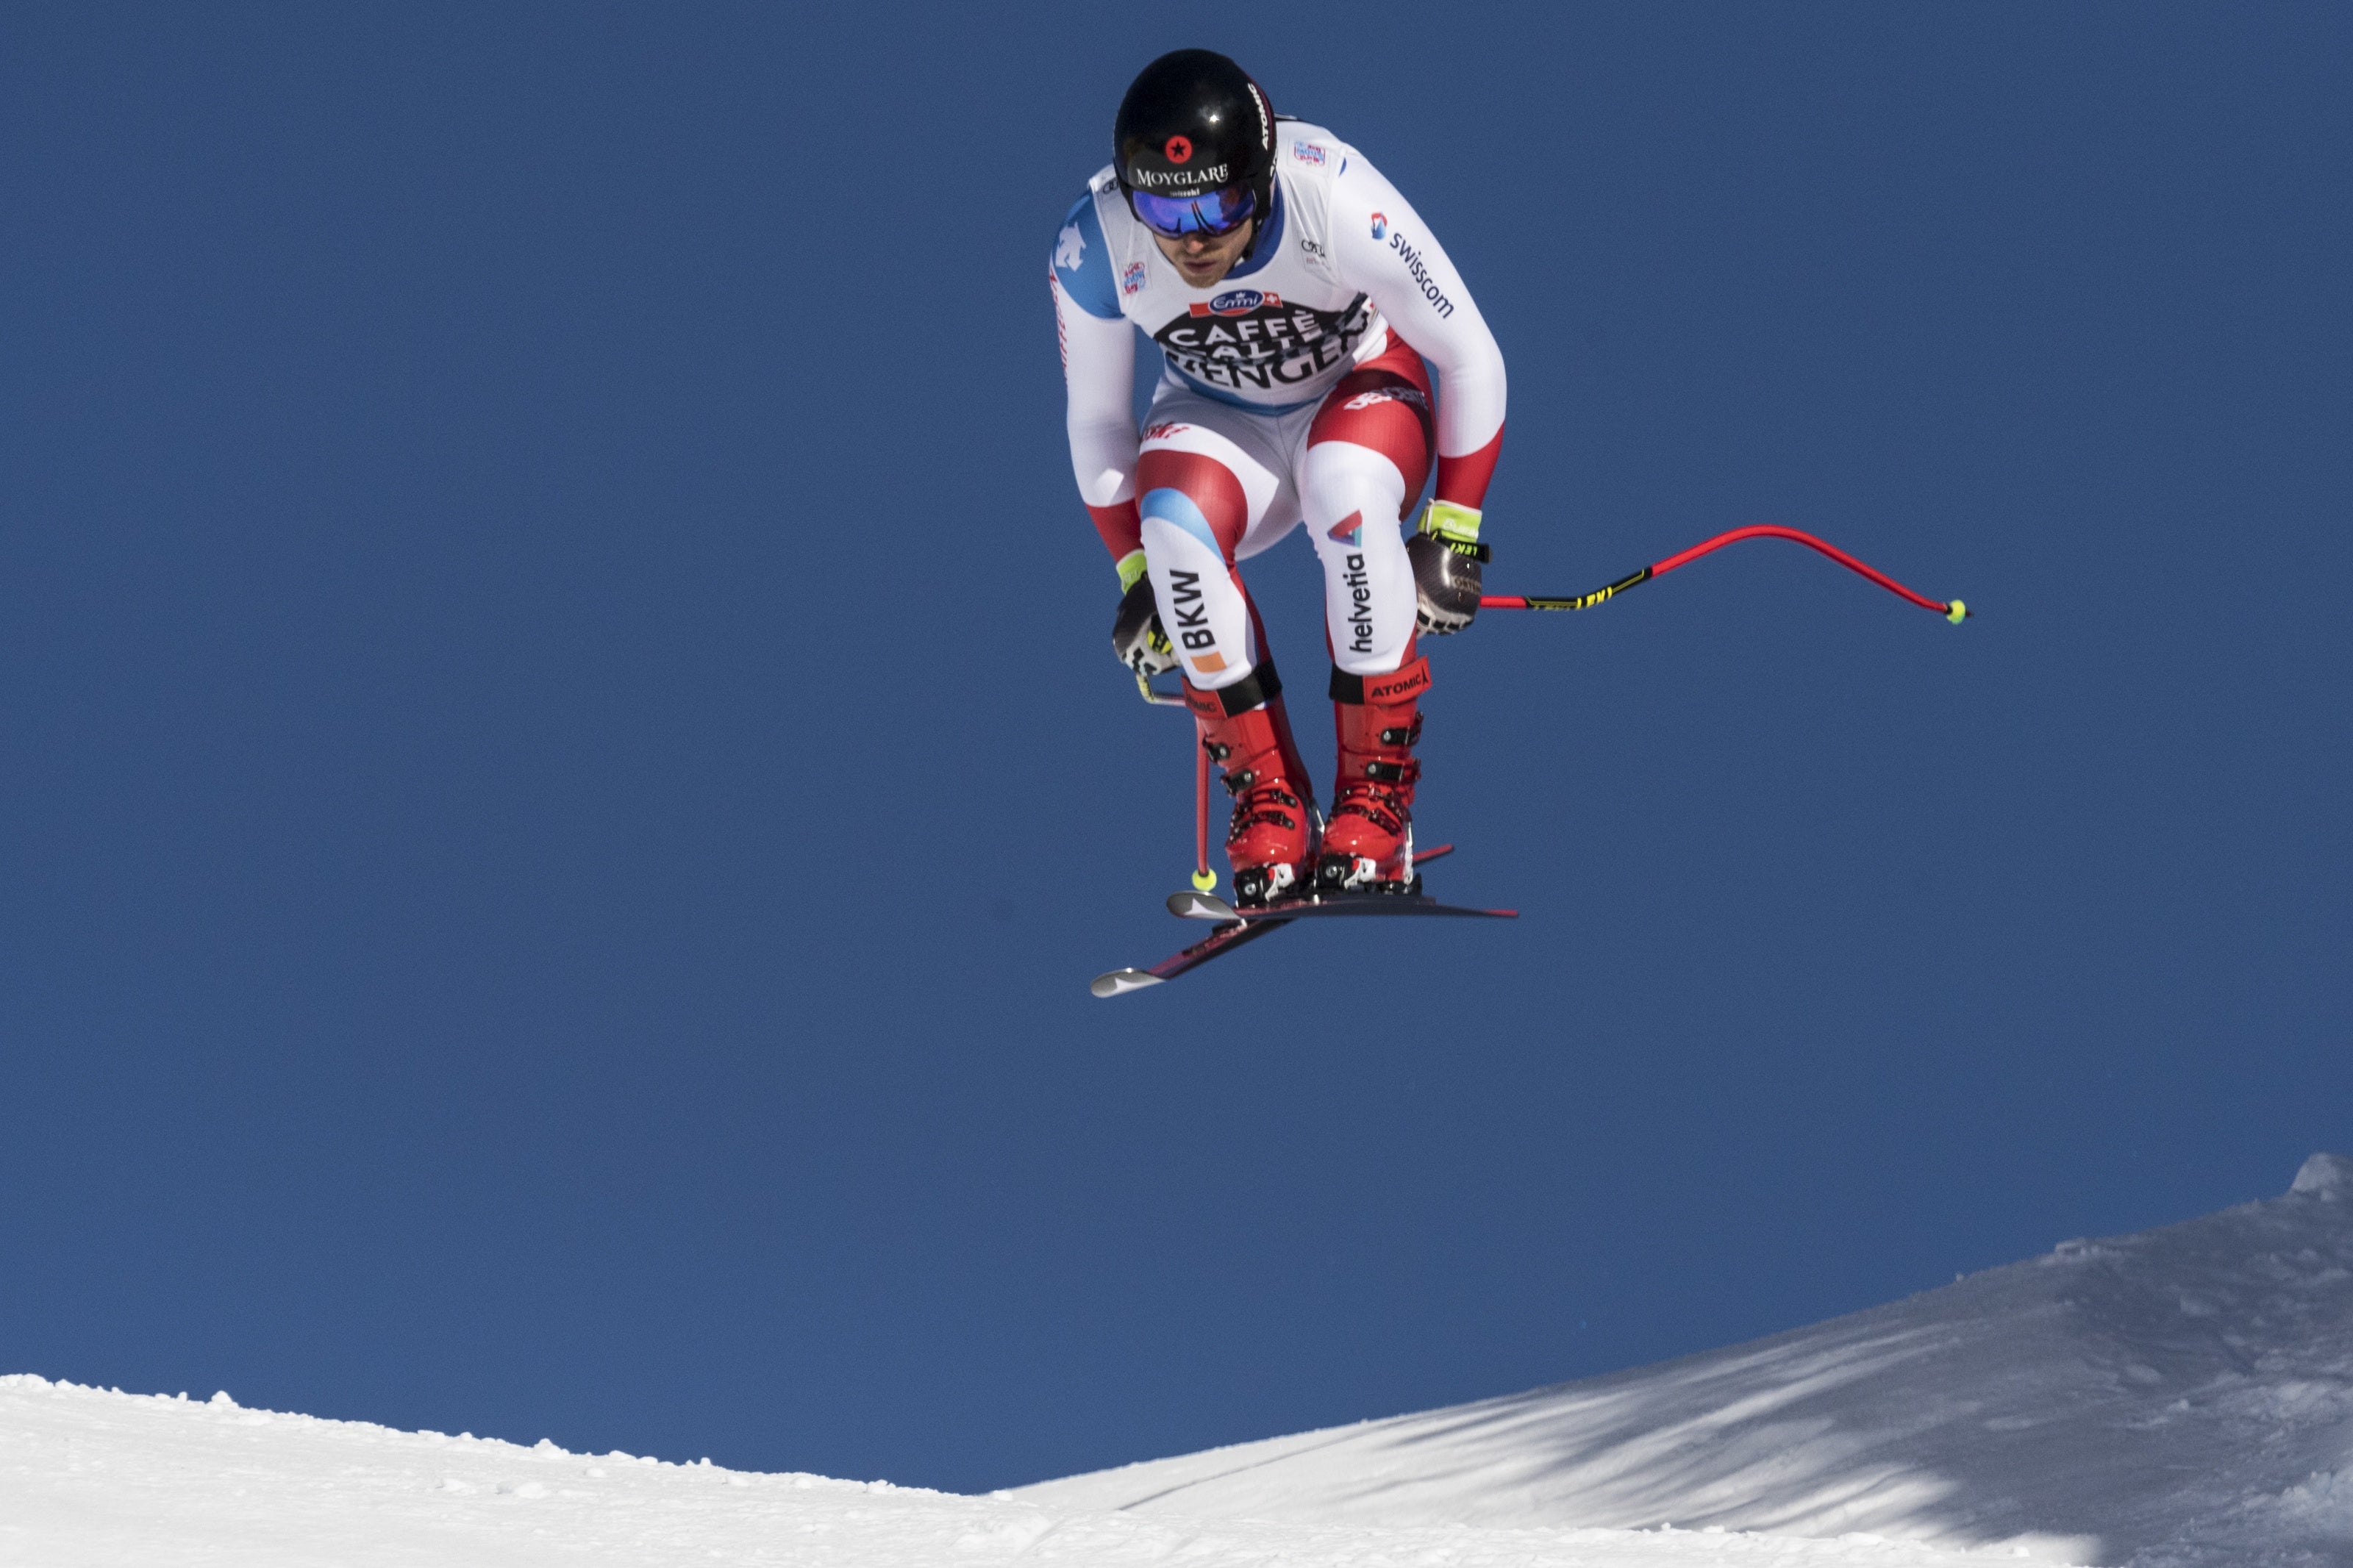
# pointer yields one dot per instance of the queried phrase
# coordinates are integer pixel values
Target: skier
(1293, 293)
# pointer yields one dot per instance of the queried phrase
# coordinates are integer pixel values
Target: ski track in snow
(2179, 1398)
(93, 1479)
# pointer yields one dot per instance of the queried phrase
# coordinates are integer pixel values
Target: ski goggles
(1217, 212)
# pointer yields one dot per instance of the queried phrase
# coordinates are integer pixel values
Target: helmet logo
(1179, 150)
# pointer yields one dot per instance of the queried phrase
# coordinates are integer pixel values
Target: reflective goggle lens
(1220, 211)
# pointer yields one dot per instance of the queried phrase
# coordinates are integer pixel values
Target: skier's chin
(1205, 272)
(1207, 268)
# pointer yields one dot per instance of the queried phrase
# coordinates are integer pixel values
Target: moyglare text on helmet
(1143, 178)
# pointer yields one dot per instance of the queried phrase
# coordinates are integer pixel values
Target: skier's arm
(1380, 245)
(1099, 382)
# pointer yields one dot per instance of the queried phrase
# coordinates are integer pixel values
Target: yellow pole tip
(1957, 614)
(1205, 881)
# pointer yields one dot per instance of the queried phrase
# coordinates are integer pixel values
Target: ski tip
(1193, 906)
(1120, 982)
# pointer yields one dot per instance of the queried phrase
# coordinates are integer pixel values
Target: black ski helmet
(1193, 121)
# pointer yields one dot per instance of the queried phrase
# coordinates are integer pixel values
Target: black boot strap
(1260, 687)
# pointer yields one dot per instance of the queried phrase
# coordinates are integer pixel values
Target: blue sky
(566, 782)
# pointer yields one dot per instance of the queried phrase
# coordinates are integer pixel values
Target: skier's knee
(1196, 493)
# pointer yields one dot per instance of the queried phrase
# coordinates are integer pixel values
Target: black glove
(1137, 640)
(1445, 582)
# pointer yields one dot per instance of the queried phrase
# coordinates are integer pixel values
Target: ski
(1225, 939)
(1192, 906)
(1236, 927)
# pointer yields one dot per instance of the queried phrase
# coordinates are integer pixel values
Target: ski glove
(1137, 639)
(1446, 555)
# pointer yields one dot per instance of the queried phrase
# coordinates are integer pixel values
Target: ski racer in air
(1294, 294)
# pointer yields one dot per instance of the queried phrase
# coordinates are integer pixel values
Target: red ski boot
(1272, 838)
(1368, 843)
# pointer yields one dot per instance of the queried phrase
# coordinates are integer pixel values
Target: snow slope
(91, 1478)
(2182, 1396)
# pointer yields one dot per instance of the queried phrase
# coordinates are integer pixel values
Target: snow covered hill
(92, 1479)
(2182, 1397)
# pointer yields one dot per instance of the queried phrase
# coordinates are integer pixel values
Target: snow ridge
(98, 1479)
(2180, 1398)
(2326, 1176)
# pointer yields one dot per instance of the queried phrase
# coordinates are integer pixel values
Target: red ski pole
(1204, 879)
(1955, 611)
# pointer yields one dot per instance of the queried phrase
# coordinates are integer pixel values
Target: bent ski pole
(1955, 611)
(1157, 699)
(1204, 879)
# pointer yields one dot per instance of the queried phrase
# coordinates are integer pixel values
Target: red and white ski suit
(1294, 391)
